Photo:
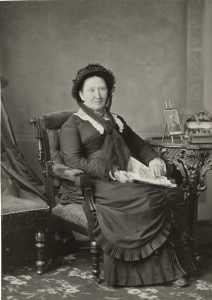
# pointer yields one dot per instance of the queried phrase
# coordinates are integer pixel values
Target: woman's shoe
(180, 282)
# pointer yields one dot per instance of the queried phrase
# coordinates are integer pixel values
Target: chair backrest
(47, 133)
(51, 124)
(56, 119)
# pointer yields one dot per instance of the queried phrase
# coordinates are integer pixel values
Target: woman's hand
(157, 167)
(122, 176)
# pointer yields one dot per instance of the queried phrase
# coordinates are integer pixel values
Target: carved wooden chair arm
(81, 179)
(65, 172)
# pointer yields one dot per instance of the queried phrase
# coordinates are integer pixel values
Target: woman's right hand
(122, 176)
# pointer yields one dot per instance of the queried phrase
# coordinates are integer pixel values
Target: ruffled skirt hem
(162, 260)
(159, 268)
(135, 254)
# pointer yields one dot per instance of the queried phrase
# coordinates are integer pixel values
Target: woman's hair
(90, 71)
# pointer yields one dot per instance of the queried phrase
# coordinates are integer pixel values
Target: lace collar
(82, 115)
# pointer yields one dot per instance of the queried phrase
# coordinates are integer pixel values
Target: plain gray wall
(143, 42)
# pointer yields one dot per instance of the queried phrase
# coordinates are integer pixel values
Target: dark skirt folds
(143, 230)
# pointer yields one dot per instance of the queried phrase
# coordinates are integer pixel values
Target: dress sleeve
(139, 148)
(71, 148)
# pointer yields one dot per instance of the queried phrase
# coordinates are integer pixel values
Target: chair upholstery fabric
(14, 205)
(54, 146)
(71, 213)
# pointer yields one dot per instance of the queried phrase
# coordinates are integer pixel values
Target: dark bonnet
(89, 71)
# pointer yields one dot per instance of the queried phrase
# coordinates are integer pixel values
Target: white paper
(140, 172)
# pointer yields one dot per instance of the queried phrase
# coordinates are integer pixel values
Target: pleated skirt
(144, 232)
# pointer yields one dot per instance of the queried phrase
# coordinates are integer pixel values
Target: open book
(140, 172)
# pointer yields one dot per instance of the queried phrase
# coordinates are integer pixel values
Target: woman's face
(94, 93)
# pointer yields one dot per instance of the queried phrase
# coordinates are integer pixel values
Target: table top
(178, 143)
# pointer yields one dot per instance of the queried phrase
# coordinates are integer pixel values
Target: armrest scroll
(65, 172)
(81, 180)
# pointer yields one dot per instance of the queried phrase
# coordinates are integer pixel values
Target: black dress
(142, 228)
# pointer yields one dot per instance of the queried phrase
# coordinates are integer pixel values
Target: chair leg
(40, 244)
(95, 252)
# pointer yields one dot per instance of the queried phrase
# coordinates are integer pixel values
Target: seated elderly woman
(141, 227)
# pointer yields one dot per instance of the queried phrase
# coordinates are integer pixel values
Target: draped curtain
(17, 178)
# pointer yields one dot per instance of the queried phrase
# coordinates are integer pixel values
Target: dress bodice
(81, 142)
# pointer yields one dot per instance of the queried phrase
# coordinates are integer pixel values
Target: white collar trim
(84, 116)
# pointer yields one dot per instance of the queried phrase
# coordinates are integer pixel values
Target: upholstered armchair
(80, 217)
(24, 210)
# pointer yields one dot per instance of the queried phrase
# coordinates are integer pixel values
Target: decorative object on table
(198, 128)
(172, 122)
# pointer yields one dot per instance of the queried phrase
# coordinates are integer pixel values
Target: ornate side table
(193, 161)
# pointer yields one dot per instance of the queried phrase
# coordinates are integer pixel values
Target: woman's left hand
(157, 167)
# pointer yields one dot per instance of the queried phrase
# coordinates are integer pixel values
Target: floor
(70, 277)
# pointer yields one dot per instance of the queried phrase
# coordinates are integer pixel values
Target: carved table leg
(192, 200)
(192, 161)
(95, 251)
(192, 195)
(40, 244)
(196, 164)
(193, 165)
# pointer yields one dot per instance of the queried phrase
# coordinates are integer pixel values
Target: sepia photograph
(173, 122)
(97, 203)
